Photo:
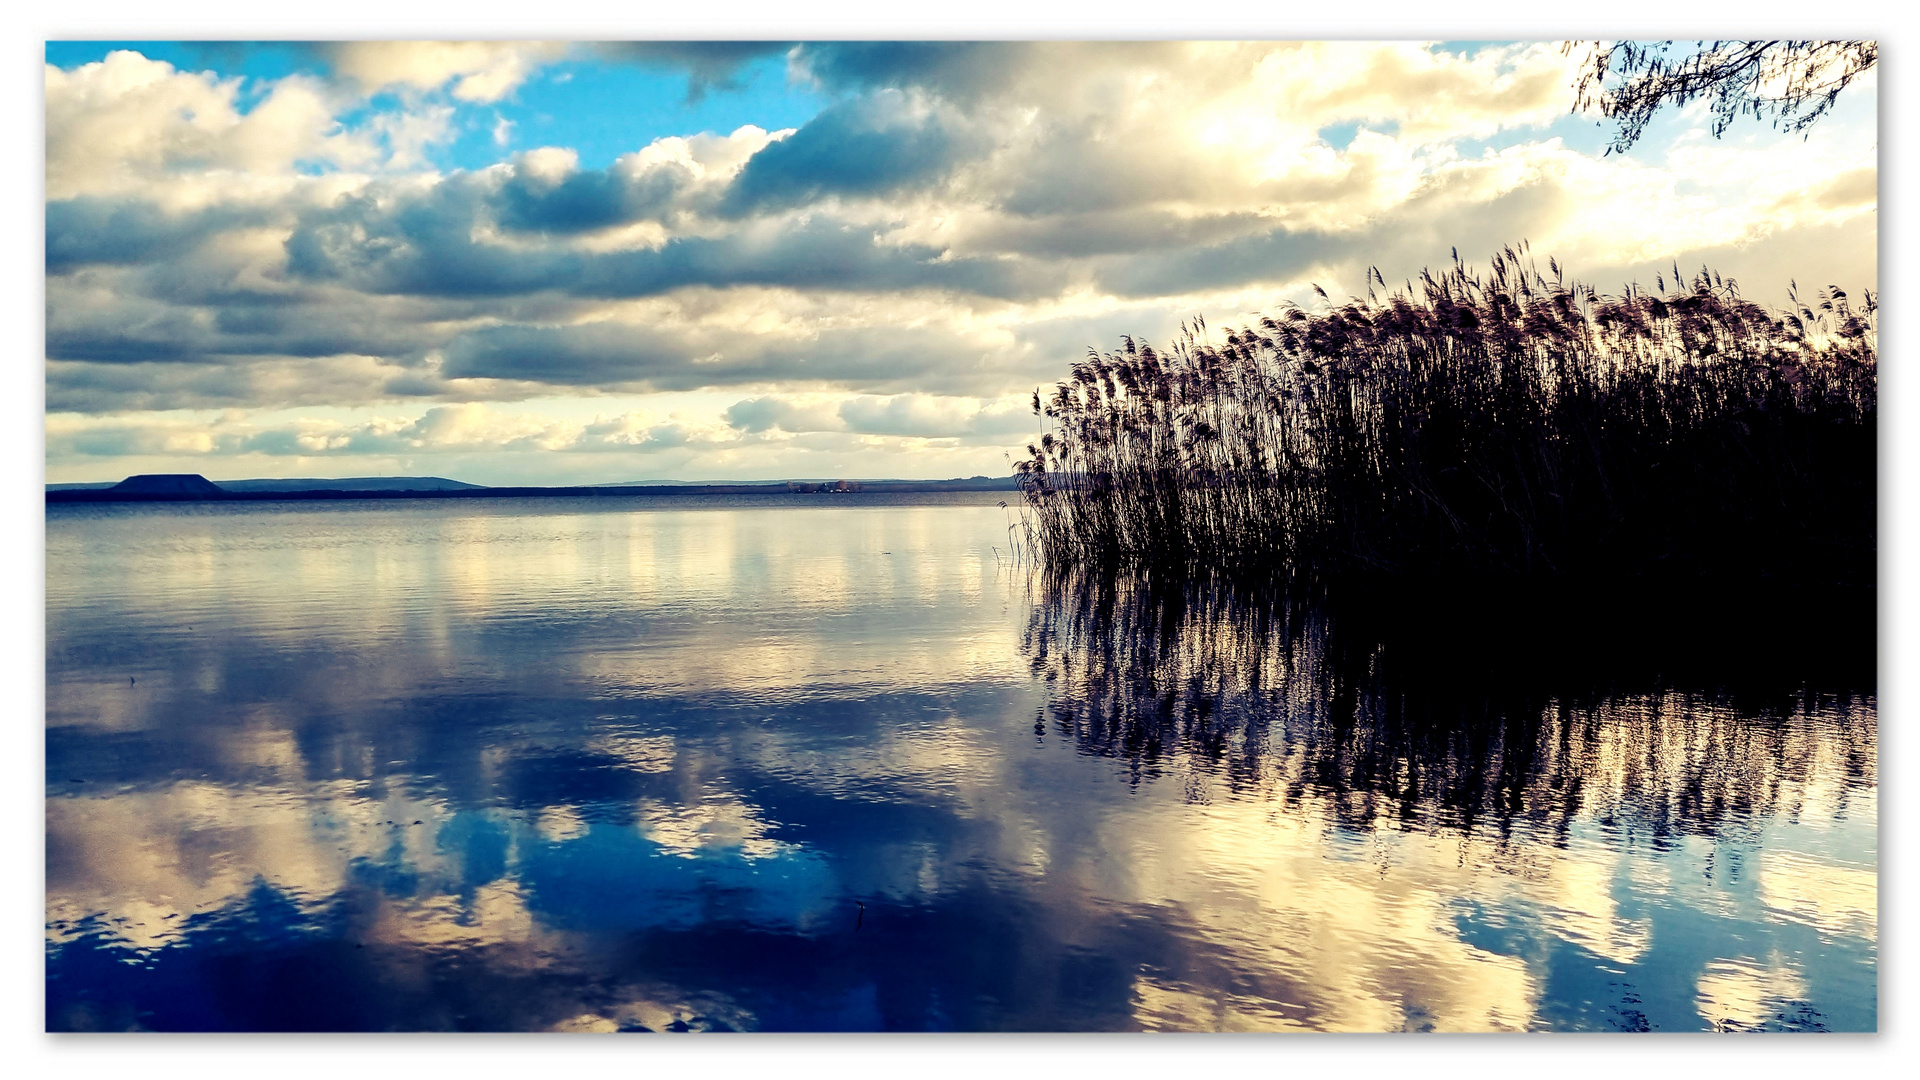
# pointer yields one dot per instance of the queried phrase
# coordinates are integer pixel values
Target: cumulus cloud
(918, 416)
(545, 191)
(92, 230)
(456, 431)
(957, 223)
(709, 65)
(409, 135)
(762, 414)
(638, 356)
(477, 71)
(119, 125)
(440, 429)
(925, 416)
(437, 242)
(872, 146)
(969, 72)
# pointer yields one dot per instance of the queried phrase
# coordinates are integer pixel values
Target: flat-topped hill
(188, 484)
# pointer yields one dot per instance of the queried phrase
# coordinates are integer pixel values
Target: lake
(838, 763)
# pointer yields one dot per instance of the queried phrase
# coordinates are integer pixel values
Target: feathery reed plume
(1505, 427)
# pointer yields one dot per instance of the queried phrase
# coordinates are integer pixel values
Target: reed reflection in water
(1396, 829)
(781, 766)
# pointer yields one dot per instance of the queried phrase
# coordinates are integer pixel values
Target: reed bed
(1502, 427)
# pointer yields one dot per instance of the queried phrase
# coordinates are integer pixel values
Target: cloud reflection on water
(519, 766)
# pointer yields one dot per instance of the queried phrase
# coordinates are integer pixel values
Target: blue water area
(842, 764)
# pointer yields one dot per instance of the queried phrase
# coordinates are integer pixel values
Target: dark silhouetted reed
(1513, 427)
(1232, 687)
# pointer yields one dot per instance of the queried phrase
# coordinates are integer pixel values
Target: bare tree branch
(1792, 83)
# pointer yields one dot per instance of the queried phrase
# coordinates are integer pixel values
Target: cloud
(545, 191)
(478, 71)
(1309, 84)
(642, 357)
(763, 414)
(94, 388)
(125, 315)
(404, 239)
(1426, 94)
(816, 254)
(479, 427)
(817, 422)
(872, 146)
(92, 230)
(118, 125)
(408, 135)
(924, 416)
(917, 416)
(709, 65)
(970, 72)
(960, 222)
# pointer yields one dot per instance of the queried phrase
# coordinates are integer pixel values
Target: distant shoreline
(103, 495)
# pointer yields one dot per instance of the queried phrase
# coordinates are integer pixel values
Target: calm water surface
(786, 764)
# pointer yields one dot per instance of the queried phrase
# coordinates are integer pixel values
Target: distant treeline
(117, 494)
(193, 488)
(1513, 428)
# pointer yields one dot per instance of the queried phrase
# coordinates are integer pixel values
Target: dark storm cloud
(93, 231)
(421, 241)
(816, 254)
(872, 359)
(1274, 255)
(923, 416)
(1080, 235)
(762, 414)
(970, 72)
(910, 415)
(960, 70)
(233, 381)
(867, 147)
(1415, 236)
(586, 200)
(709, 65)
(568, 356)
(177, 337)
(145, 333)
(425, 245)
(421, 245)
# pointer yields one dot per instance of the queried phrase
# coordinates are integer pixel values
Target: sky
(549, 263)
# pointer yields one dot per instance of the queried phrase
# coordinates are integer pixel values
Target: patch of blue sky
(603, 109)
(597, 107)
(1854, 112)
(1577, 133)
(1467, 50)
(1587, 134)
(252, 59)
(1341, 136)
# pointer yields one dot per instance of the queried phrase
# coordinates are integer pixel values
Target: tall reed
(1508, 426)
